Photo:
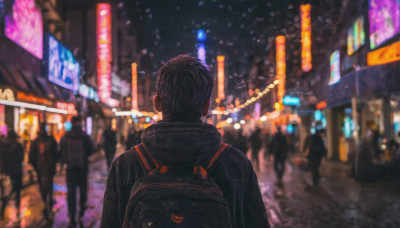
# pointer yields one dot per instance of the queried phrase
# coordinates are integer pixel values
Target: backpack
(75, 153)
(176, 196)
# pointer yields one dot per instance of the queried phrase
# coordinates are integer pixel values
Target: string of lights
(248, 102)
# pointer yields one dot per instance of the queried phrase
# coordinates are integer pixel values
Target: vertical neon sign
(306, 56)
(134, 87)
(104, 55)
(281, 66)
(201, 52)
(221, 77)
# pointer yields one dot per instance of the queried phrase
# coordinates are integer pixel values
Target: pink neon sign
(24, 26)
(104, 55)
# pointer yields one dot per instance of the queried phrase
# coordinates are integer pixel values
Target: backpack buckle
(200, 171)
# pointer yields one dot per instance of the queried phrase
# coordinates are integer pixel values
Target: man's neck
(181, 118)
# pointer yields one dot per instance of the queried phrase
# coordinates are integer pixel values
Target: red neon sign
(69, 107)
(306, 55)
(134, 87)
(221, 77)
(281, 66)
(104, 55)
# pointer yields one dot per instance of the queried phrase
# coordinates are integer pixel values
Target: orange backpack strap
(145, 157)
(221, 149)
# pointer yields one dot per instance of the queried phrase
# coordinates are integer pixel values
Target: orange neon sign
(384, 55)
(221, 77)
(134, 87)
(306, 56)
(281, 66)
(25, 97)
(321, 105)
(104, 55)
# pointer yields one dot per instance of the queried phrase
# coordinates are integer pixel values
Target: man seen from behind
(76, 148)
(184, 87)
(43, 156)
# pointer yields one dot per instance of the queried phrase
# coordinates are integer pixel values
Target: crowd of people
(44, 153)
(279, 146)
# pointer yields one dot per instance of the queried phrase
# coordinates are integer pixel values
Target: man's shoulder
(126, 168)
(236, 163)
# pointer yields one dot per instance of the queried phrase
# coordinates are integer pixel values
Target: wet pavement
(338, 201)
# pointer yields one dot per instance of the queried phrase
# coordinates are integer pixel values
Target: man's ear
(157, 103)
(206, 106)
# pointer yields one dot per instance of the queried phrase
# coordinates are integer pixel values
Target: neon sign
(24, 26)
(104, 55)
(30, 98)
(221, 77)
(335, 67)
(201, 52)
(7, 94)
(201, 35)
(69, 107)
(281, 66)
(134, 86)
(291, 101)
(306, 56)
(384, 21)
(63, 69)
(384, 55)
(355, 36)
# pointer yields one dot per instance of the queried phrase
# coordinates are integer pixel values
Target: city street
(339, 201)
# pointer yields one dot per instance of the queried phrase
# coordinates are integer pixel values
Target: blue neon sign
(291, 101)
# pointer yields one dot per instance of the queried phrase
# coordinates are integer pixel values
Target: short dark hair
(184, 84)
(76, 120)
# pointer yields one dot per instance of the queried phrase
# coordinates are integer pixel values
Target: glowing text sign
(355, 36)
(134, 86)
(221, 77)
(335, 67)
(63, 69)
(306, 56)
(104, 55)
(384, 55)
(24, 26)
(281, 66)
(7, 94)
(291, 101)
(201, 52)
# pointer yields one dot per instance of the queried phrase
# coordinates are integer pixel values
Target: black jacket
(109, 139)
(11, 157)
(176, 143)
(50, 158)
(76, 132)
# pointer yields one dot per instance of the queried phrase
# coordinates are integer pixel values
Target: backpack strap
(224, 147)
(145, 158)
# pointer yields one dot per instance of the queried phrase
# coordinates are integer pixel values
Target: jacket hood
(181, 143)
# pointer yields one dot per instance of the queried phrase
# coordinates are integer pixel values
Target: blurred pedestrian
(12, 156)
(76, 148)
(241, 142)
(256, 144)
(363, 159)
(279, 148)
(373, 129)
(315, 151)
(44, 157)
(109, 140)
(133, 139)
(267, 143)
(229, 137)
